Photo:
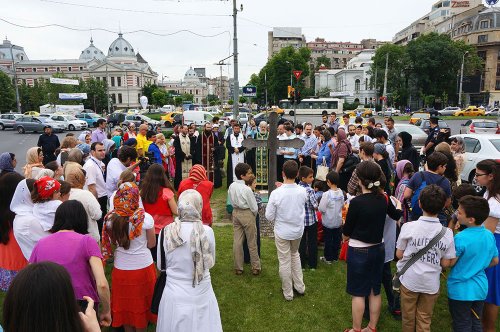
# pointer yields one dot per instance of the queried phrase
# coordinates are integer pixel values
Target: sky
(196, 33)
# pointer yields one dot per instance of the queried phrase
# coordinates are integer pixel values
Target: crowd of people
(133, 199)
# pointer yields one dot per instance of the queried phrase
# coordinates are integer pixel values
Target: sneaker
(323, 259)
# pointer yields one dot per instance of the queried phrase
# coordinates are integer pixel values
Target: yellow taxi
(169, 117)
(470, 111)
(31, 113)
(363, 112)
(415, 117)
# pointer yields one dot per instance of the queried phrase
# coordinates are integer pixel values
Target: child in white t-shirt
(420, 283)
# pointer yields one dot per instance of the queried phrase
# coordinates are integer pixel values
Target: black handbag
(350, 163)
(161, 281)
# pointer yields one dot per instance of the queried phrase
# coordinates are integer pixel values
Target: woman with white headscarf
(27, 230)
(189, 303)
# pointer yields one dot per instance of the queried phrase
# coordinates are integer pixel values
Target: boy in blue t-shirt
(476, 250)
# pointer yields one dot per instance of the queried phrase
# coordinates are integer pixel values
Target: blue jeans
(463, 314)
(332, 237)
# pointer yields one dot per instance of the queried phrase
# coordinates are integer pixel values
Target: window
(119, 81)
(497, 85)
(357, 85)
(58, 69)
(472, 145)
(112, 81)
(46, 69)
(81, 68)
(69, 68)
(484, 24)
(34, 70)
(120, 98)
(482, 38)
(113, 98)
(137, 79)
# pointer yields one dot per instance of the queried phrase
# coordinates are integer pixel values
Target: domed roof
(121, 48)
(191, 75)
(92, 52)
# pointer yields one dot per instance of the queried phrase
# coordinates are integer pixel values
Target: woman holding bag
(324, 156)
(189, 303)
(339, 157)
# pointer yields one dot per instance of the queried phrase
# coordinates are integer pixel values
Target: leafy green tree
(324, 92)
(213, 98)
(7, 94)
(323, 60)
(96, 94)
(148, 90)
(279, 72)
(187, 97)
(243, 100)
(159, 97)
(230, 102)
(178, 101)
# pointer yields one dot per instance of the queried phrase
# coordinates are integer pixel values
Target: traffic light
(297, 96)
(291, 94)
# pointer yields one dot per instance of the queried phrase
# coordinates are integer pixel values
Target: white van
(199, 118)
(168, 108)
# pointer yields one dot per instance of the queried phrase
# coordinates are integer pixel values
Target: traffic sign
(249, 91)
(297, 74)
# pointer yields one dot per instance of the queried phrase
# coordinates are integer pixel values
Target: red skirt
(131, 295)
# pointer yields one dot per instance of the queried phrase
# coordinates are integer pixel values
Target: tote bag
(322, 171)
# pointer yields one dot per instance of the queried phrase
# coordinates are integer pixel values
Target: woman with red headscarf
(131, 230)
(198, 181)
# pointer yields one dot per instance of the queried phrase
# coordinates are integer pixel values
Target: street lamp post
(18, 104)
(236, 84)
(461, 80)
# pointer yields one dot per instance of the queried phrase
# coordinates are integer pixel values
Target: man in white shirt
(94, 182)
(126, 160)
(286, 208)
(353, 138)
(244, 212)
(382, 137)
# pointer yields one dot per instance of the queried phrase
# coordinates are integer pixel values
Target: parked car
(425, 125)
(8, 120)
(90, 118)
(493, 112)
(361, 111)
(480, 126)
(115, 119)
(69, 121)
(28, 123)
(57, 127)
(478, 148)
(265, 115)
(448, 111)
(390, 112)
(138, 119)
(418, 135)
(31, 113)
(414, 117)
(169, 118)
(470, 111)
(430, 110)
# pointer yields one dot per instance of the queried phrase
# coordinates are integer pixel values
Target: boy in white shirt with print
(420, 283)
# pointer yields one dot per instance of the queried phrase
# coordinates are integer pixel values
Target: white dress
(184, 307)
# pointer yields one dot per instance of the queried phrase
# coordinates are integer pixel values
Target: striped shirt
(311, 205)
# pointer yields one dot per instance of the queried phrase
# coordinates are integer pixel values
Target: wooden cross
(272, 145)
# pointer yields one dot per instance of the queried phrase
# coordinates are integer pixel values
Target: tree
(7, 94)
(96, 94)
(159, 97)
(178, 101)
(230, 102)
(325, 61)
(187, 97)
(148, 90)
(278, 71)
(243, 100)
(324, 92)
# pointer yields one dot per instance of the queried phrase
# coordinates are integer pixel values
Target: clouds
(172, 55)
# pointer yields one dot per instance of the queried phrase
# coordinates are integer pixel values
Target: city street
(18, 144)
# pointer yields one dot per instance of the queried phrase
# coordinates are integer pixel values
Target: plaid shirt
(311, 205)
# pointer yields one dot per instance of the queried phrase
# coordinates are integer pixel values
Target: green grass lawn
(249, 303)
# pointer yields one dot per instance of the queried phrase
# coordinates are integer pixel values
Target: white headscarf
(190, 206)
(21, 203)
(44, 172)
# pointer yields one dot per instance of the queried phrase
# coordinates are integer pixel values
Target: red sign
(297, 74)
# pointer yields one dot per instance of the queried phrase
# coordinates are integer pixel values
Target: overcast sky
(171, 56)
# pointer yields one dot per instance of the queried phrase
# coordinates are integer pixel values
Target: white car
(480, 126)
(448, 111)
(69, 122)
(478, 148)
(390, 112)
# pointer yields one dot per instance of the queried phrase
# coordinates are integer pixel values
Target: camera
(145, 162)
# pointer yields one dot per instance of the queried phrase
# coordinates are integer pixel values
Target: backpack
(416, 211)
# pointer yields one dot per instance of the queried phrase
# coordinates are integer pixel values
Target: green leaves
(7, 94)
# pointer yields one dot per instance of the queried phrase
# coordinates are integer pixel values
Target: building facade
(351, 83)
(125, 71)
(193, 83)
(282, 37)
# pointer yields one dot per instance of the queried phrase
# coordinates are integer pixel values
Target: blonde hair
(443, 147)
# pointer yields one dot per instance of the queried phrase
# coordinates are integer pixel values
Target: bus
(314, 106)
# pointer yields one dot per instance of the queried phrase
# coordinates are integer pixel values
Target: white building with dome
(351, 83)
(193, 83)
(125, 71)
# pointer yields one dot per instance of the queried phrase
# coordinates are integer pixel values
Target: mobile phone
(82, 304)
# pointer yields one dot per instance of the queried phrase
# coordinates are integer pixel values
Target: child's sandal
(353, 330)
(370, 329)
